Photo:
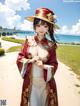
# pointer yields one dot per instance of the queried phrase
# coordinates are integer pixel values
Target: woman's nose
(41, 27)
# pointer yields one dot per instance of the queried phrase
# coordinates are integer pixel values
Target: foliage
(2, 51)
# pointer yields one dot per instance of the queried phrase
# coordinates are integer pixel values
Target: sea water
(60, 38)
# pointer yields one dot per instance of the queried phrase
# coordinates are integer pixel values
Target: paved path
(6, 44)
(69, 94)
(11, 83)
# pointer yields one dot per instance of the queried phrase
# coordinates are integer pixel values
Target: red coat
(52, 99)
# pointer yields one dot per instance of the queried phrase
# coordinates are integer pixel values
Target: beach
(11, 81)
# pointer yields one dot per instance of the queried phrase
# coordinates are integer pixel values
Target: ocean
(60, 38)
(75, 39)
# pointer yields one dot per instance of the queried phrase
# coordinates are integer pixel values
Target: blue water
(59, 37)
(68, 38)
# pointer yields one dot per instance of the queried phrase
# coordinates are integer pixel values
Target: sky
(13, 13)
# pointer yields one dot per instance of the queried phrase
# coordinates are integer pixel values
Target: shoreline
(23, 38)
(58, 40)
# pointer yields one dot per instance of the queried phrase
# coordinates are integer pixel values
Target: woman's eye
(38, 25)
(46, 26)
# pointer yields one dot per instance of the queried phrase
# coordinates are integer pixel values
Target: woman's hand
(40, 63)
(34, 59)
(24, 60)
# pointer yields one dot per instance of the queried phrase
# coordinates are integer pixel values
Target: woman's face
(41, 29)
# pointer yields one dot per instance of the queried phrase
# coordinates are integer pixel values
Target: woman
(37, 62)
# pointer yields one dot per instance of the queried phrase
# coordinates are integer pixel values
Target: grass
(70, 55)
(14, 48)
(12, 39)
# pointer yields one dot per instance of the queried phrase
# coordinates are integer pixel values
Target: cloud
(26, 25)
(8, 12)
(75, 29)
(18, 4)
(8, 17)
(63, 30)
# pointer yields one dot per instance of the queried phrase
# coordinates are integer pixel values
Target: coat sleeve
(52, 60)
(51, 65)
(22, 54)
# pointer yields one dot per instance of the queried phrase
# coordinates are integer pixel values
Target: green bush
(2, 51)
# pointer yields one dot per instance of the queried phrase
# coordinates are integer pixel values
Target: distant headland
(14, 31)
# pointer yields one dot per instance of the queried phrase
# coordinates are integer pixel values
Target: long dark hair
(50, 31)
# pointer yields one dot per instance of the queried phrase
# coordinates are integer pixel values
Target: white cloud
(26, 25)
(18, 4)
(63, 30)
(8, 16)
(75, 29)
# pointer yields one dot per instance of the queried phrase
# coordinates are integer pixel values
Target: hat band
(41, 15)
(49, 17)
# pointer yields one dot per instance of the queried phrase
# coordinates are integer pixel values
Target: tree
(4, 34)
(1, 27)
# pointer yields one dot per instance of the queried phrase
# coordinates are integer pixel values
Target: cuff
(49, 71)
(23, 70)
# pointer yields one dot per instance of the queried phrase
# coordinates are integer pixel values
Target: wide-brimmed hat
(44, 14)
